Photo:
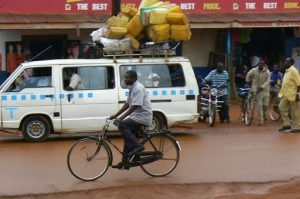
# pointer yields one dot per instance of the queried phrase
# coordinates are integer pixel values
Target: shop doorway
(35, 44)
(250, 45)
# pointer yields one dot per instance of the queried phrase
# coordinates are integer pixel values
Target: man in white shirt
(75, 80)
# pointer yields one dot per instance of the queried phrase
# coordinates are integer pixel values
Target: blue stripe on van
(62, 96)
(42, 97)
(90, 95)
(33, 97)
(164, 92)
(182, 92)
(4, 98)
(155, 93)
(173, 92)
(23, 97)
(13, 97)
(191, 92)
(80, 95)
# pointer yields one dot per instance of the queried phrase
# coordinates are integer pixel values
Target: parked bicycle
(274, 112)
(209, 103)
(249, 104)
(90, 158)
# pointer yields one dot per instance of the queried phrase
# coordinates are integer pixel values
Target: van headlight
(214, 92)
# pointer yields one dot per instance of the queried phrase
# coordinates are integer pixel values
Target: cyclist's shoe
(135, 150)
(284, 128)
(295, 131)
(121, 166)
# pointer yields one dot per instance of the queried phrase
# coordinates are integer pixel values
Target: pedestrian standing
(259, 78)
(290, 96)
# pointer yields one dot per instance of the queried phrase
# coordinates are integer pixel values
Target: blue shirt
(275, 76)
(217, 79)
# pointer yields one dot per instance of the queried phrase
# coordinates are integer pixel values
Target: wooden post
(116, 7)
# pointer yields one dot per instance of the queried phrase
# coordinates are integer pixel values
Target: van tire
(36, 128)
(157, 123)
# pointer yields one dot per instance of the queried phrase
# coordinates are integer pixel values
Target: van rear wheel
(157, 123)
(36, 128)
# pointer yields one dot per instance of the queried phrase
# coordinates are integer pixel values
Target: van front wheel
(35, 128)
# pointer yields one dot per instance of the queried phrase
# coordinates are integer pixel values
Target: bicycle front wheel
(274, 112)
(212, 115)
(89, 159)
(166, 148)
(249, 111)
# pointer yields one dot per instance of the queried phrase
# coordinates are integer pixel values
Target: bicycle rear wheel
(89, 159)
(274, 112)
(249, 111)
(167, 149)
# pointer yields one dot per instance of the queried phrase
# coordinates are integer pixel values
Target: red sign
(55, 6)
(230, 6)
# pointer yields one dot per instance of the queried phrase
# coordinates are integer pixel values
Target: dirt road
(229, 161)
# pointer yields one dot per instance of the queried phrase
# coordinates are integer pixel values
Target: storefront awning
(250, 20)
(52, 21)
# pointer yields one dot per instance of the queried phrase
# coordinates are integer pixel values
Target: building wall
(203, 42)
(6, 36)
(16, 35)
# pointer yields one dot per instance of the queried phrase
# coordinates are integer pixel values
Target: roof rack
(150, 49)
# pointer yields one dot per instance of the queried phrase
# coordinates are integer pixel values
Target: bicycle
(89, 158)
(274, 112)
(248, 104)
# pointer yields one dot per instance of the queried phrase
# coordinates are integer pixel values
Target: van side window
(88, 78)
(32, 78)
(156, 75)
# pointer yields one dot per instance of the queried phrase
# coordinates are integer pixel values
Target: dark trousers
(129, 129)
(224, 110)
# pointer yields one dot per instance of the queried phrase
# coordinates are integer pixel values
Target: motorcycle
(209, 102)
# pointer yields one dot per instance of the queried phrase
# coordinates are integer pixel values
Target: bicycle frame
(101, 137)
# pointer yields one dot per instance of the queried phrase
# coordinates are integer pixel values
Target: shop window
(32, 78)
(156, 75)
(88, 78)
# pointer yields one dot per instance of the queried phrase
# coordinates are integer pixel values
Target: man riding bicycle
(135, 113)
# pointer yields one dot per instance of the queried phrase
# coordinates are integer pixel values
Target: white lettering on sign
(99, 6)
(82, 6)
(250, 6)
(270, 5)
(187, 6)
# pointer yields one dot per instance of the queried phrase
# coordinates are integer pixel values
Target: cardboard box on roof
(131, 12)
(116, 21)
(161, 3)
(135, 43)
(175, 9)
(116, 32)
(145, 15)
(146, 3)
(177, 18)
(158, 16)
(125, 16)
(161, 32)
(135, 26)
(180, 32)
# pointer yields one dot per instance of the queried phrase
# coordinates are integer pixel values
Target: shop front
(238, 31)
(40, 30)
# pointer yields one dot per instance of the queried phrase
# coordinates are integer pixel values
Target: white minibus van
(34, 98)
